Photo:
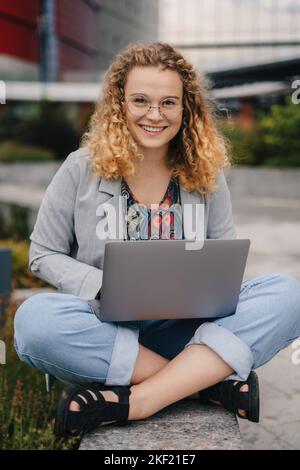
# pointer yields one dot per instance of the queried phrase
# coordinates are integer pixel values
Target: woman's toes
(74, 406)
(244, 388)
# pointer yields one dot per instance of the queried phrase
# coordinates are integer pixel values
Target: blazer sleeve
(220, 221)
(53, 237)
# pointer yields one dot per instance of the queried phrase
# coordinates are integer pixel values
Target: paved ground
(274, 229)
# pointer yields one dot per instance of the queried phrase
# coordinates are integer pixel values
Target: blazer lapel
(115, 208)
(112, 187)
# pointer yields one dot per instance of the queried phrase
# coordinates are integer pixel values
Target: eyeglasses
(139, 106)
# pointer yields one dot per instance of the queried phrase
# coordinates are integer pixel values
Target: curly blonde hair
(198, 151)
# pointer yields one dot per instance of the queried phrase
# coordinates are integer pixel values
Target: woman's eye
(168, 103)
(139, 100)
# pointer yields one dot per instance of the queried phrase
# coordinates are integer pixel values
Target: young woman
(153, 139)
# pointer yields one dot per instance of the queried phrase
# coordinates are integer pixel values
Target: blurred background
(53, 55)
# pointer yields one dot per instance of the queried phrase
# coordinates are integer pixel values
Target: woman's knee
(59, 334)
(35, 323)
(39, 320)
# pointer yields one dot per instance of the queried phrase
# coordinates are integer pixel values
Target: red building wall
(76, 30)
(19, 29)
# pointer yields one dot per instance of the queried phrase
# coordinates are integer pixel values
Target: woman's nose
(154, 113)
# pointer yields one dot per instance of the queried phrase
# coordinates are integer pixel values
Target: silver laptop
(161, 280)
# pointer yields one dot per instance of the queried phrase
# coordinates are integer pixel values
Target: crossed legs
(157, 382)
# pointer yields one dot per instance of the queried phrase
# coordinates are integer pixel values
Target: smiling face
(153, 86)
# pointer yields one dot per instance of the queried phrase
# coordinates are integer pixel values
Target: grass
(26, 409)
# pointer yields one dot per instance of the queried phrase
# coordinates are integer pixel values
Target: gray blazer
(65, 250)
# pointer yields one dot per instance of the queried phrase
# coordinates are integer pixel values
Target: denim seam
(60, 368)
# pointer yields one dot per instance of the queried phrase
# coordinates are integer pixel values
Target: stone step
(185, 425)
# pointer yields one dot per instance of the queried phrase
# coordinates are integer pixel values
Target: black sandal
(93, 412)
(233, 399)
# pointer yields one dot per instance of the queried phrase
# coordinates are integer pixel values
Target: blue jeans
(59, 334)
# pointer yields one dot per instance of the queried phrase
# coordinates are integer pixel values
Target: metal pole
(48, 42)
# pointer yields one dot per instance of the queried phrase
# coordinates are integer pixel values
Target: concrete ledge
(28, 174)
(262, 182)
(243, 181)
(21, 196)
(185, 425)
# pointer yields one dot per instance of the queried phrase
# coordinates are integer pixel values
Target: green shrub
(15, 226)
(11, 152)
(22, 277)
(246, 145)
(274, 139)
(10, 118)
(48, 126)
(280, 135)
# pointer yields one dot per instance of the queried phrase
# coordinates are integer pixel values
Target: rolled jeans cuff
(228, 346)
(124, 356)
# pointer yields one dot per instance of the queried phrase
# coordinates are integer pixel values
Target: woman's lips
(152, 133)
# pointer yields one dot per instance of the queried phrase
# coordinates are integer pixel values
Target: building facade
(61, 40)
(19, 49)
(121, 22)
(220, 34)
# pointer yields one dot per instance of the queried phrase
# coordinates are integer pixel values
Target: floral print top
(161, 221)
